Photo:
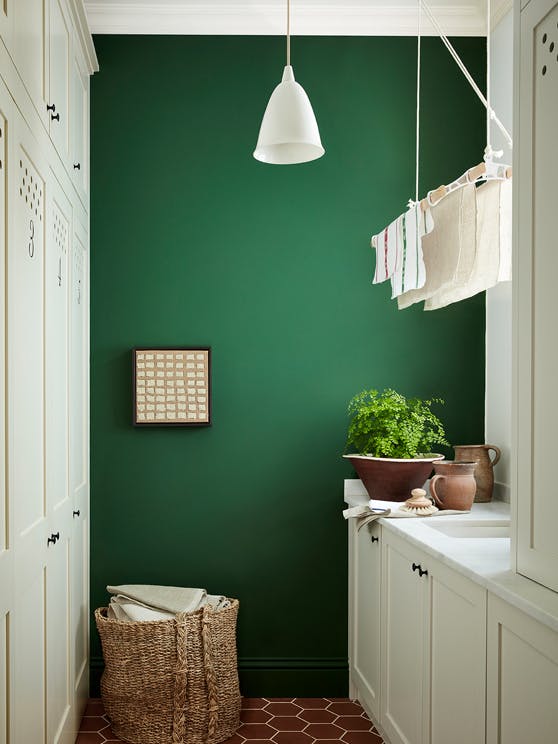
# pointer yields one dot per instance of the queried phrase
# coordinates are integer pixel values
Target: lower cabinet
(417, 642)
(364, 629)
(522, 677)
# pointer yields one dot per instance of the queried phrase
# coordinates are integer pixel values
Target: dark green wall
(194, 242)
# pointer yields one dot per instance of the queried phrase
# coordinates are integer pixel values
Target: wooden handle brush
(419, 504)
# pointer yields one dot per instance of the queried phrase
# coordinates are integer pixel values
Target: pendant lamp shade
(289, 132)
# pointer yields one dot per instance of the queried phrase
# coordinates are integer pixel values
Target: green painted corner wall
(194, 242)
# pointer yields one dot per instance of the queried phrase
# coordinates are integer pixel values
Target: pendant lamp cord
(417, 141)
(288, 32)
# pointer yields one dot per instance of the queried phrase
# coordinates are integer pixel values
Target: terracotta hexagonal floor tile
(287, 723)
(317, 716)
(92, 723)
(282, 709)
(256, 731)
(292, 737)
(254, 715)
(311, 703)
(339, 700)
(248, 702)
(362, 737)
(354, 723)
(90, 738)
(280, 700)
(324, 731)
(346, 708)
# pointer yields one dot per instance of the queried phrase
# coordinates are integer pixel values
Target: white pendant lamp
(289, 131)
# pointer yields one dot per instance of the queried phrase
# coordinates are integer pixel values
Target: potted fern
(389, 442)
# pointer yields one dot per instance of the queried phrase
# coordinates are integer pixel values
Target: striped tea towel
(387, 249)
(409, 271)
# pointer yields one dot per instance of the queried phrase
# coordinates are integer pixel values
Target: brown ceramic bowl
(391, 479)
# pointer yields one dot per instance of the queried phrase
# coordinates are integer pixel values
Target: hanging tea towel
(388, 243)
(410, 272)
(454, 226)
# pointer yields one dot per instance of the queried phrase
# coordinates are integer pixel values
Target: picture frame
(171, 386)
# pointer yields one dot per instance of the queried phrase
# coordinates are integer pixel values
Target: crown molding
(247, 18)
(79, 17)
(499, 10)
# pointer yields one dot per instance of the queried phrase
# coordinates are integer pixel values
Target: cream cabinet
(522, 677)
(535, 300)
(60, 54)
(417, 642)
(44, 383)
(433, 649)
(364, 621)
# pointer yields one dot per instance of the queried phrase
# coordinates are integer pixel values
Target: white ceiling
(308, 17)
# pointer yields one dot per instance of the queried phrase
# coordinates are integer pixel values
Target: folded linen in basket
(141, 602)
(388, 510)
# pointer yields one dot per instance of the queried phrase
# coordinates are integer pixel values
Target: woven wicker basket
(171, 681)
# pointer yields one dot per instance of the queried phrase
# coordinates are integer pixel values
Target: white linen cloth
(388, 510)
(144, 602)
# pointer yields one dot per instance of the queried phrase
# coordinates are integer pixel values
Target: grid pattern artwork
(172, 387)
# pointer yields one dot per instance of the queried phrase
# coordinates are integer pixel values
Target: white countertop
(483, 560)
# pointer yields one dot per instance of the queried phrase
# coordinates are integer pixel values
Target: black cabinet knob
(421, 571)
(77, 166)
(51, 107)
(51, 540)
(55, 117)
(374, 539)
(76, 513)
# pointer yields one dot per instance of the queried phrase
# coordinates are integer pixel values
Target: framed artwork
(172, 386)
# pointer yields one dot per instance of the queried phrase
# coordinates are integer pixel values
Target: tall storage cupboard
(46, 57)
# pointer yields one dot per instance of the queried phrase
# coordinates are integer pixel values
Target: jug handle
(433, 489)
(497, 453)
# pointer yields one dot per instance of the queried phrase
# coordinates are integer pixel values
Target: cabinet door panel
(79, 126)
(404, 662)
(458, 658)
(80, 608)
(5, 674)
(5, 114)
(522, 677)
(30, 23)
(59, 72)
(535, 298)
(59, 696)
(365, 631)
(28, 693)
(57, 289)
(6, 23)
(25, 341)
(78, 364)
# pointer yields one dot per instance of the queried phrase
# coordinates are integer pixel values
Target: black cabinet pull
(51, 107)
(77, 166)
(421, 571)
(374, 539)
(55, 117)
(76, 513)
(52, 540)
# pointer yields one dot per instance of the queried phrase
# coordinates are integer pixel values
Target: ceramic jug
(453, 486)
(484, 473)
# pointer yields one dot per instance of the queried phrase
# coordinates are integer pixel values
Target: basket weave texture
(172, 681)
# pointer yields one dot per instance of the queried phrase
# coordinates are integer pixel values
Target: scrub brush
(419, 504)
